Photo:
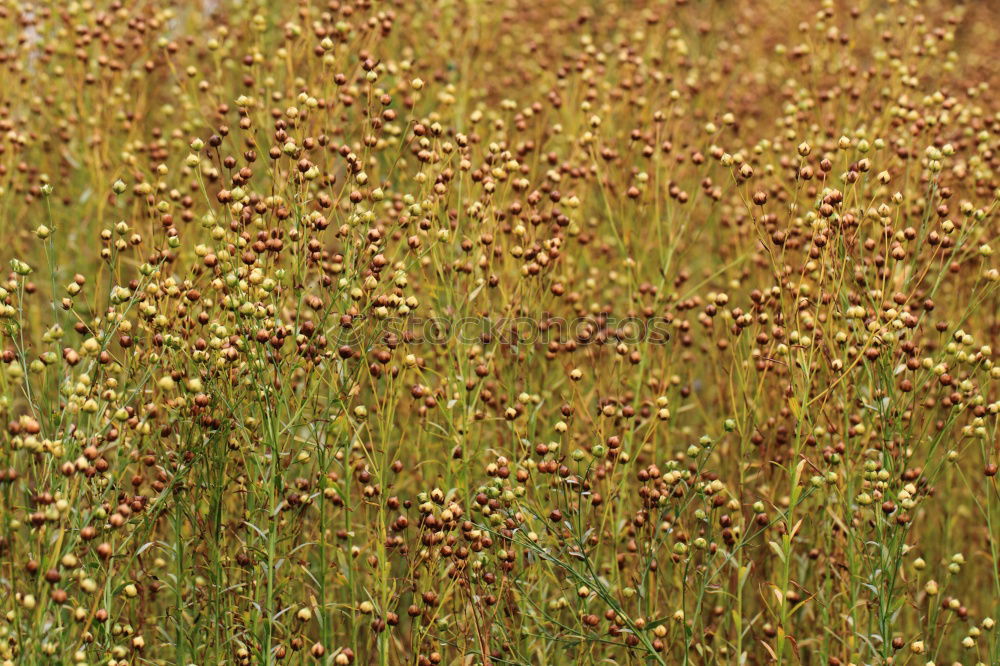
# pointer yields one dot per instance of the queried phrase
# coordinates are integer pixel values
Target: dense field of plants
(507, 332)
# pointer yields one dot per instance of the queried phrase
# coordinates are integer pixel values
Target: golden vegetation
(508, 332)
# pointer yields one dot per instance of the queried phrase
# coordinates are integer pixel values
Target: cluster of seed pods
(380, 332)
